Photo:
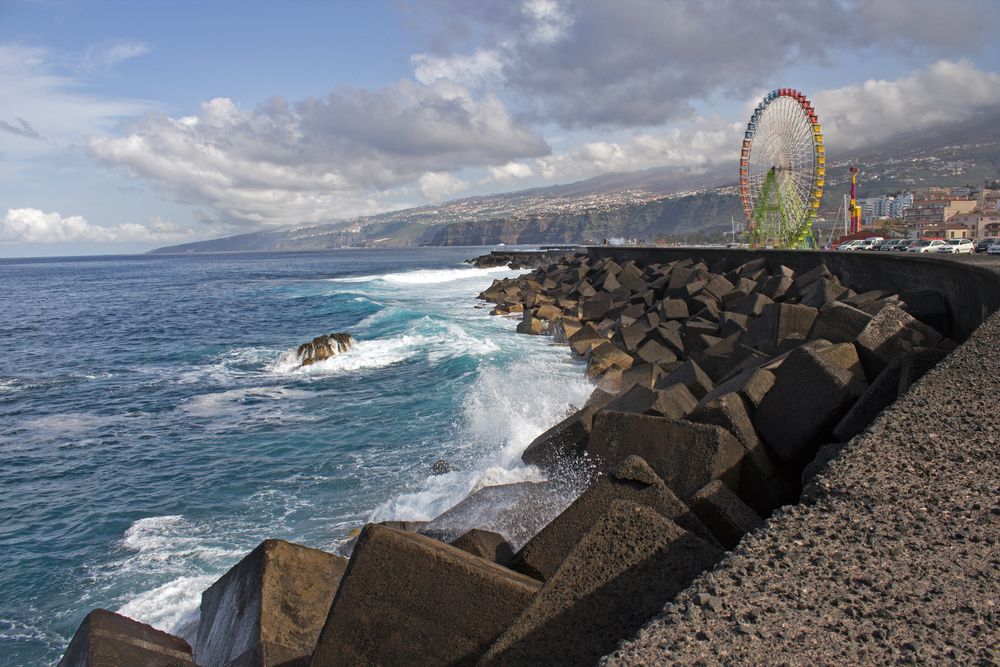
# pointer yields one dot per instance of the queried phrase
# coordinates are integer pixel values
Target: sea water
(154, 427)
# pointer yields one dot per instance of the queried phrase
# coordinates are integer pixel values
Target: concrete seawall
(893, 555)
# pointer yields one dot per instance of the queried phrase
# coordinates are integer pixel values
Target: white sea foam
(172, 607)
(506, 410)
(67, 423)
(261, 403)
(426, 276)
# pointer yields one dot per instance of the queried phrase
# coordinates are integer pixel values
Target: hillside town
(947, 213)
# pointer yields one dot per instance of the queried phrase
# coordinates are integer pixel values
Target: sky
(128, 125)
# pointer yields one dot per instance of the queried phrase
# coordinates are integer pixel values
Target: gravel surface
(892, 556)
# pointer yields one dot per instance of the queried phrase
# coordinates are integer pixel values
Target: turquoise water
(151, 431)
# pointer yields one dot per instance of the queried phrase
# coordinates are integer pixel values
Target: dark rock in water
(516, 511)
(486, 544)
(441, 467)
(621, 573)
(724, 513)
(808, 398)
(407, 599)
(106, 639)
(633, 480)
(269, 608)
(324, 347)
(687, 456)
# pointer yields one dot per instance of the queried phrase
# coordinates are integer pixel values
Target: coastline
(705, 605)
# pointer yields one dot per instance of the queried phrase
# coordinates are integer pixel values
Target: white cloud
(318, 160)
(436, 186)
(877, 110)
(30, 225)
(51, 110)
(109, 54)
(512, 171)
(472, 69)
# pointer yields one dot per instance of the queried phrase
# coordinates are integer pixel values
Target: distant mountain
(644, 204)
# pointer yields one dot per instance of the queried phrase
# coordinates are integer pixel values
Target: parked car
(904, 245)
(924, 245)
(995, 248)
(850, 245)
(957, 246)
(983, 244)
(890, 244)
(870, 243)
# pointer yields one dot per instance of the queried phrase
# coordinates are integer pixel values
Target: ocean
(153, 431)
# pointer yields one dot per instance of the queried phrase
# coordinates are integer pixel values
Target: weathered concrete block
(821, 292)
(606, 356)
(839, 323)
(674, 402)
(106, 639)
(409, 600)
(411, 526)
(568, 437)
(549, 312)
(637, 399)
(686, 455)
(643, 375)
(621, 573)
(891, 383)
(761, 485)
(890, 333)
(531, 325)
(674, 309)
(268, 609)
(516, 511)
(633, 480)
(929, 307)
(752, 384)
(808, 398)
(485, 544)
(845, 355)
(654, 353)
(691, 375)
(751, 305)
(631, 336)
(596, 307)
(722, 511)
(585, 339)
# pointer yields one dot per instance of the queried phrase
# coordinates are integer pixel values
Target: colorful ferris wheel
(782, 170)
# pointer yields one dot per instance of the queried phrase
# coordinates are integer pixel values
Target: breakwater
(648, 520)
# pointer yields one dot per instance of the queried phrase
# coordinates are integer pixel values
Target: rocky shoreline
(723, 388)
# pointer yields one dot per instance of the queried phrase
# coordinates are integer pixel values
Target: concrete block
(596, 307)
(890, 333)
(516, 511)
(409, 600)
(485, 544)
(674, 309)
(751, 384)
(637, 399)
(530, 325)
(106, 639)
(674, 402)
(568, 437)
(619, 575)
(269, 608)
(643, 375)
(691, 375)
(838, 322)
(631, 336)
(809, 397)
(686, 455)
(891, 383)
(845, 355)
(585, 338)
(605, 356)
(761, 485)
(653, 352)
(751, 305)
(723, 513)
(633, 480)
